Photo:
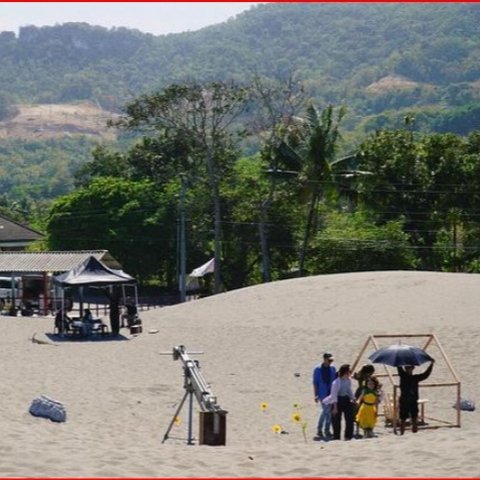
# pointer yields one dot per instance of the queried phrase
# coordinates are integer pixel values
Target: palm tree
(312, 142)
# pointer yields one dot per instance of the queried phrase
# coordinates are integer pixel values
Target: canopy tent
(93, 273)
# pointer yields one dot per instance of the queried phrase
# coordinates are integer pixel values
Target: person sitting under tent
(87, 323)
(130, 314)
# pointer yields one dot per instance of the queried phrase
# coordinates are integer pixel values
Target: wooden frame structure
(430, 339)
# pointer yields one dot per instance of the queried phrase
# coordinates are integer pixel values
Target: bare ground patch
(57, 120)
(391, 82)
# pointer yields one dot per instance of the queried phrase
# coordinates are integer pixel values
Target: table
(97, 326)
(77, 327)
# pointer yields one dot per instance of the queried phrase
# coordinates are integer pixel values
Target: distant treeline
(336, 50)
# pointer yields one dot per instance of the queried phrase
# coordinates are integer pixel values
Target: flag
(208, 267)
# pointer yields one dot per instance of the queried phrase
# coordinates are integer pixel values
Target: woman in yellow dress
(368, 403)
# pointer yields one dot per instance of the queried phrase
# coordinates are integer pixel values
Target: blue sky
(150, 17)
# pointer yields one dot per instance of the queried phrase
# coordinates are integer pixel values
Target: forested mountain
(339, 50)
(383, 61)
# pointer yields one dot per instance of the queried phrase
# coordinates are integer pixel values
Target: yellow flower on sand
(263, 406)
(296, 417)
(177, 420)
(277, 428)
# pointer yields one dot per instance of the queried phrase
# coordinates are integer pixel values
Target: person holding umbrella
(409, 394)
(406, 356)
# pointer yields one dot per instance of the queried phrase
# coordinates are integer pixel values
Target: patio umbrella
(400, 355)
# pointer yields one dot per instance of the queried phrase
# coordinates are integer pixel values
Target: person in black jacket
(114, 309)
(409, 394)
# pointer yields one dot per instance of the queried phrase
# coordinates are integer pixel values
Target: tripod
(189, 391)
(212, 417)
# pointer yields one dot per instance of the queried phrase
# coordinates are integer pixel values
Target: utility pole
(274, 174)
(217, 223)
(262, 230)
(183, 248)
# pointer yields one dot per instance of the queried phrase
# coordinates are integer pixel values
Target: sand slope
(260, 345)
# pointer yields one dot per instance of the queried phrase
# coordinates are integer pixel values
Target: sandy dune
(260, 345)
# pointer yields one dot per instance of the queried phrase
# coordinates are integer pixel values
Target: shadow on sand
(67, 338)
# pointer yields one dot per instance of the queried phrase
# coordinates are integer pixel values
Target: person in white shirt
(343, 403)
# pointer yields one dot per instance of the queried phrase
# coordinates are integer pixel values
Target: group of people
(64, 323)
(334, 392)
(129, 317)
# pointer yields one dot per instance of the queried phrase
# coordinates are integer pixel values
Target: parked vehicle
(6, 284)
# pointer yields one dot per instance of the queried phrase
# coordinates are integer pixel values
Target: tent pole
(62, 297)
(45, 293)
(14, 294)
(80, 292)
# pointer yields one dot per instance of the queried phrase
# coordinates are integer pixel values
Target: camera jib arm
(212, 416)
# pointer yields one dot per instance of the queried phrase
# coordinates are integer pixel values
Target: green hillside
(382, 60)
(337, 49)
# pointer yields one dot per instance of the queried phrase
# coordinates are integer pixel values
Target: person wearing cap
(323, 376)
(409, 394)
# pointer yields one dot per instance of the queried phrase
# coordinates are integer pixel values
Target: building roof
(12, 231)
(29, 262)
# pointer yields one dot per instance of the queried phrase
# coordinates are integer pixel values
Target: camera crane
(212, 417)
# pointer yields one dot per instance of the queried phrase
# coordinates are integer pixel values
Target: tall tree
(276, 103)
(430, 181)
(203, 115)
(313, 142)
(130, 219)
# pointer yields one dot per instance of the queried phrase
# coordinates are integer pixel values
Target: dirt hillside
(55, 120)
(391, 82)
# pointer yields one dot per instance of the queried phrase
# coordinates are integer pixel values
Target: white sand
(121, 395)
